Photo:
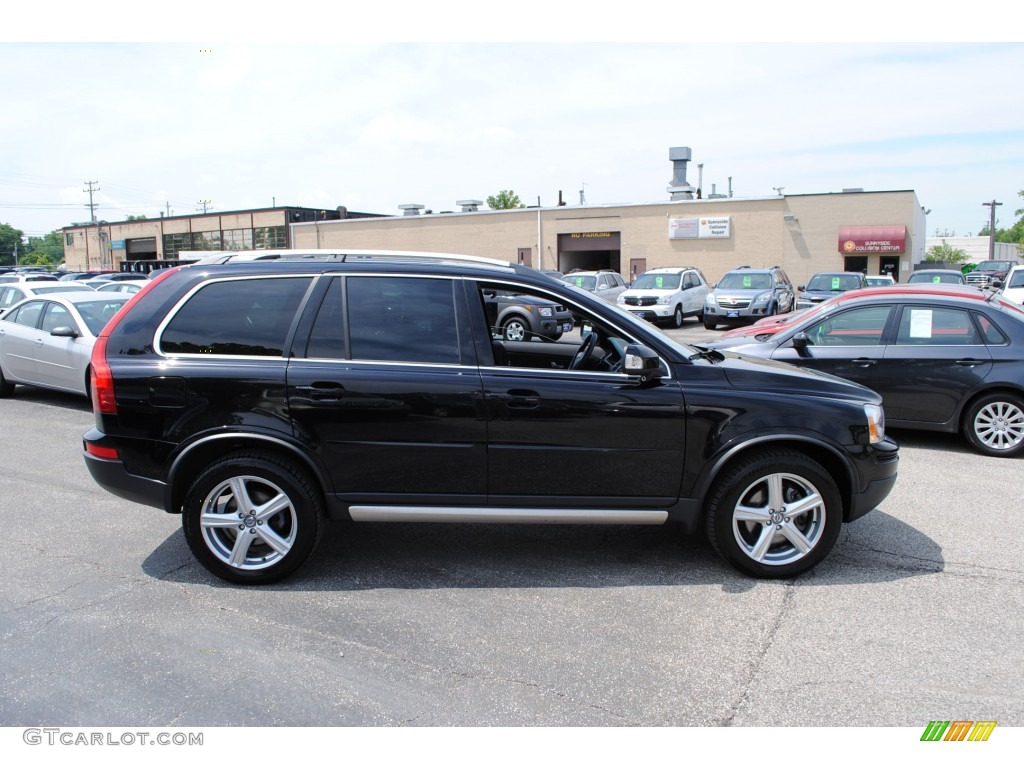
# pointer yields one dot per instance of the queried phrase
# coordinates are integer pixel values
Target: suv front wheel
(775, 514)
(252, 518)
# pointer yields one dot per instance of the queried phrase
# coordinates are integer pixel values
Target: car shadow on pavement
(42, 396)
(365, 556)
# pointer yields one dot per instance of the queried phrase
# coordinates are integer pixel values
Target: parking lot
(107, 619)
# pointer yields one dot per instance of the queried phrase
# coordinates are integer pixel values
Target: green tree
(140, 217)
(946, 253)
(504, 200)
(9, 238)
(45, 250)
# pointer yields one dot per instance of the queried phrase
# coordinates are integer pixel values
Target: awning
(883, 239)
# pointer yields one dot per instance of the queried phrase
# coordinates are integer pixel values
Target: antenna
(583, 198)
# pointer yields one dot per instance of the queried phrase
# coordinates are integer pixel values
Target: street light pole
(991, 228)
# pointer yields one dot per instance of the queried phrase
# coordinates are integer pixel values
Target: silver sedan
(46, 341)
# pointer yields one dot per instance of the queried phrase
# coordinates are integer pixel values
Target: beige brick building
(872, 231)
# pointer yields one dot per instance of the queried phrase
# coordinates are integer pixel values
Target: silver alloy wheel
(999, 425)
(779, 519)
(515, 330)
(248, 523)
(677, 317)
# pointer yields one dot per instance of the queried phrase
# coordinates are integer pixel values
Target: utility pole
(205, 203)
(92, 208)
(991, 228)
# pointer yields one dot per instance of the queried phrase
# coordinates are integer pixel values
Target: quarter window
(27, 314)
(236, 317)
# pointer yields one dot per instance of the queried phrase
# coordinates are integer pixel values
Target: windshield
(834, 283)
(734, 281)
(994, 266)
(1016, 279)
(59, 288)
(586, 282)
(936, 277)
(97, 314)
(657, 282)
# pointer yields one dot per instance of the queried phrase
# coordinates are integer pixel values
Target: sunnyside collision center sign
(873, 239)
(704, 227)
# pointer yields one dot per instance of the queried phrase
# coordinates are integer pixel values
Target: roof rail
(421, 256)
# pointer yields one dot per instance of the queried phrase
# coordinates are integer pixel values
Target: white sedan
(46, 341)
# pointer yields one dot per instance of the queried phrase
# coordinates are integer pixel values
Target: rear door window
(246, 317)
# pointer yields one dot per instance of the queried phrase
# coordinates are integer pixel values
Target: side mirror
(800, 287)
(997, 283)
(64, 331)
(801, 344)
(642, 362)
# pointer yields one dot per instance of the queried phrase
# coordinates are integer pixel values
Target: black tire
(709, 323)
(678, 317)
(515, 328)
(282, 536)
(752, 530)
(6, 387)
(773, 308)
(994, 424)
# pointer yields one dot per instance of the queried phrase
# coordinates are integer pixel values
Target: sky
(330, 112)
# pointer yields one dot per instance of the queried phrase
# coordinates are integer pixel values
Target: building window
(173, 244)
(237, 239)
(206, 241)
(69, 238)
(269, 237)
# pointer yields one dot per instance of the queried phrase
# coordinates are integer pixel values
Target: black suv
(257, 398)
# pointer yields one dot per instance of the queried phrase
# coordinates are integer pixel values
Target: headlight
(620, 299)
(709, 299)
(544, 311)
(664, 299)
(764, 298)
(876, 422)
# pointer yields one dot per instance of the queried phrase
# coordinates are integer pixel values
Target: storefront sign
(702, 228)
(714, 227)
(882, 239)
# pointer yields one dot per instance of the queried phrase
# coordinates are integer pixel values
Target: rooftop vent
(678, 188)
(469, 206)
(411, 209)
(853, 189)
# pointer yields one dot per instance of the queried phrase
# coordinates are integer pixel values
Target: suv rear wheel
(775, 514)
(252, 518)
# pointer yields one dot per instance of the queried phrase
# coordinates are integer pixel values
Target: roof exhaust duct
(679, 188)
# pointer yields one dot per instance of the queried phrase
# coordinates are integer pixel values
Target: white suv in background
(1013, 285)
(667, 294)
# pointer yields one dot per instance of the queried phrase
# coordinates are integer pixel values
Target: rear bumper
(112, 476)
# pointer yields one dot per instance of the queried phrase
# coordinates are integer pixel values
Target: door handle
(322, 390)
(969, 362)
(863, 362)
(522, 398)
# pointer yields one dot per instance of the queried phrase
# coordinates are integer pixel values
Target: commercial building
(976, 247)
(874, 232)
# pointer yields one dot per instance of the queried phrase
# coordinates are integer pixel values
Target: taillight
(103, 400)
(102, 378)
